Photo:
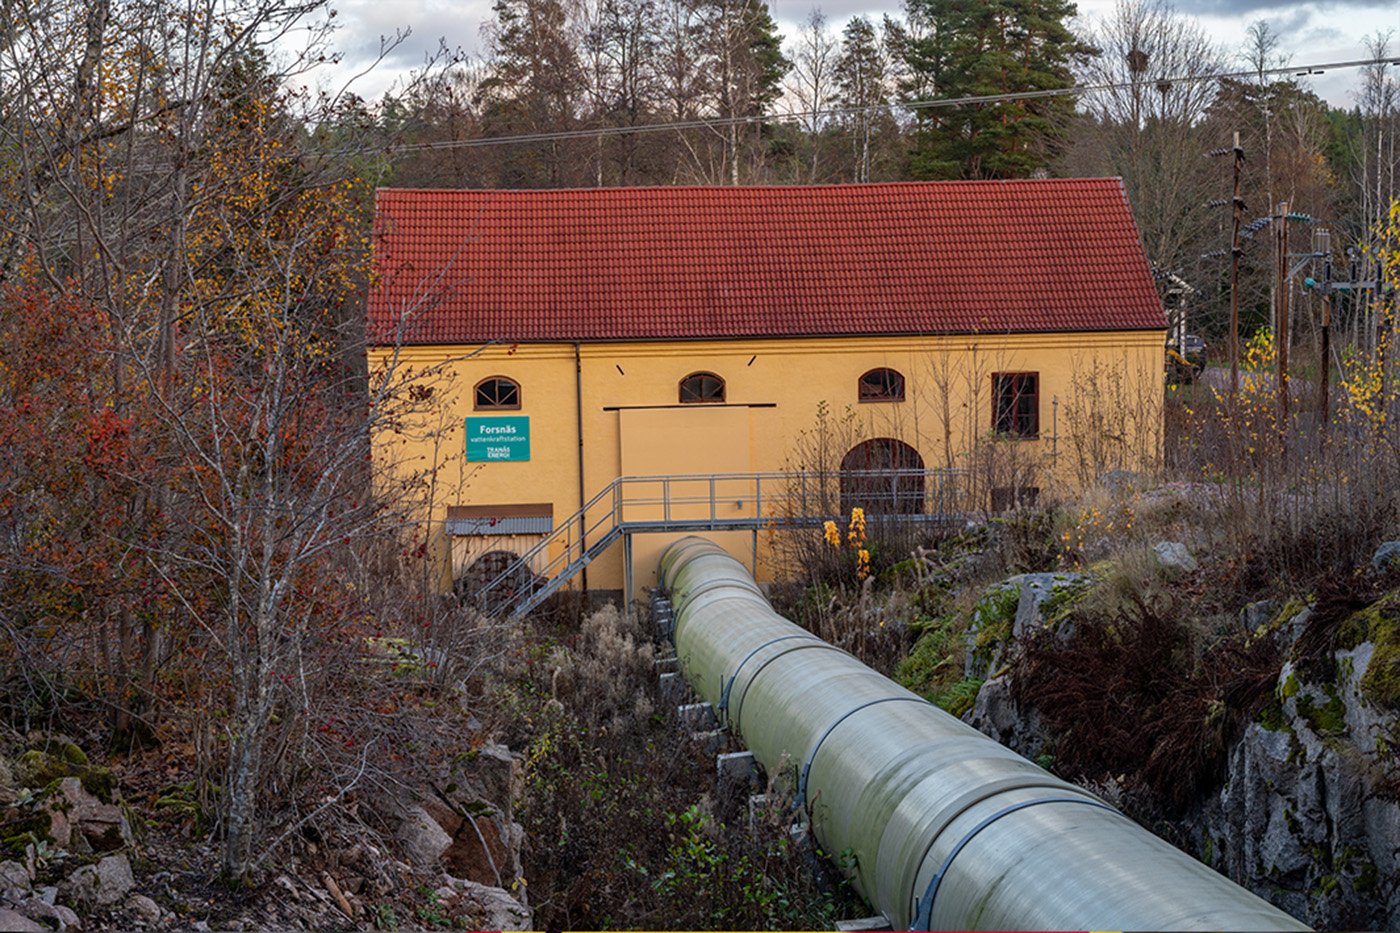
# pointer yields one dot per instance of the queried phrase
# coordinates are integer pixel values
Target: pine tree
(534, 86)
(862, 82)
(967, 48)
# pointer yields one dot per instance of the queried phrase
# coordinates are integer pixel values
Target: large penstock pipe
(949, 830)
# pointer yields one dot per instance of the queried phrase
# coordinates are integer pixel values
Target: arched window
(702, 389)
(882, 385)
(883, 476)
(497, 393)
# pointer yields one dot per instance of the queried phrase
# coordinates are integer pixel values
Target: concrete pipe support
(949, 830)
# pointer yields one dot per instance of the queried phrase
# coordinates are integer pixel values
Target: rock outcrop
(464, 826)
(1308, 815)
(1012, 609)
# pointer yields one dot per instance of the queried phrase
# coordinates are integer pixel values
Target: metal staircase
(714, 502)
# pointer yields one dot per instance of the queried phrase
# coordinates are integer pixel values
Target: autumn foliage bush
(200, 559)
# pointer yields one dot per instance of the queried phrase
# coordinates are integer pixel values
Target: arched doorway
(485, 569)
(883, 476)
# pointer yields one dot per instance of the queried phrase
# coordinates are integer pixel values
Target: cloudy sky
(1313, 32)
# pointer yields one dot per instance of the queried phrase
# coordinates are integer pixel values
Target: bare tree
(864, 85)
(1374, 172)
(1149, 129)
(811, 85)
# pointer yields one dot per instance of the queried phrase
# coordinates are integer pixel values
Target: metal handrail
(819, 491)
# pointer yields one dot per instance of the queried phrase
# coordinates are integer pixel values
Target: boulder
(442, 814)
(1009, 610)
(1386, 555)
(1173, 557)
(60, 826)
(499, 911)
(53, 916)
(67, 918)
(996, 714)
(486, 775)
(1259, 614)
(14, 880)
(103, 826)
(143, 908)
(103, 884)
(421, 838)
(1038, 589)
(482, 852)
(1303, 818)
(15, 922)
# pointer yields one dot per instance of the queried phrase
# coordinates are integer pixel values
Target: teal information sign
(502, 438)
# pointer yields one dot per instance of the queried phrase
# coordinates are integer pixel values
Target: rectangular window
(1016, 404)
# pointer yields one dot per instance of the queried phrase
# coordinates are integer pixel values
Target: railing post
(712, 499)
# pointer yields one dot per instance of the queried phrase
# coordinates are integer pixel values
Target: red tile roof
(673, 263)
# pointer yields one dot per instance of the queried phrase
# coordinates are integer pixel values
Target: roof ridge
(841, 186)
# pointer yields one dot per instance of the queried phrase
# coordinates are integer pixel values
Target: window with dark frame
(497, 393)
(702, 389)
(1016, 404)
(881, 385)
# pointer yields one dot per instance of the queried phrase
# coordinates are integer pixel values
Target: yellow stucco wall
(1100, 404)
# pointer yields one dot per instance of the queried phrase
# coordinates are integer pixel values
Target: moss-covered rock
(993, 619)
(39, 768)
(1327, 718)
(1378, 623)
(32, 829)
(1380, 685)
(935, 661)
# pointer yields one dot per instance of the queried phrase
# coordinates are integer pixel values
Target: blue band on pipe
(801, 799)
(924, 907)
(729, 684)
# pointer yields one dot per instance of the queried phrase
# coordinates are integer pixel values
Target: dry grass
(1134, 698)
(625, 823)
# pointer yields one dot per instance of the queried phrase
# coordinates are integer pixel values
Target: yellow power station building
(629, 364)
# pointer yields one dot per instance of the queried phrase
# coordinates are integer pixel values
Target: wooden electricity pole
(1238, 211)
(1281, 314)
(1236, 153)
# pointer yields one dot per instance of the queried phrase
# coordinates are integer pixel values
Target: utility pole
(1236, 251)
(1281, 314)
(1237, 209)
(1322, 244)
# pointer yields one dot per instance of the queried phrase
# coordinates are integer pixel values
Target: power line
(935, 103)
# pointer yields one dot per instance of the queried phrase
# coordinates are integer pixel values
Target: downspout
(578, 418)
